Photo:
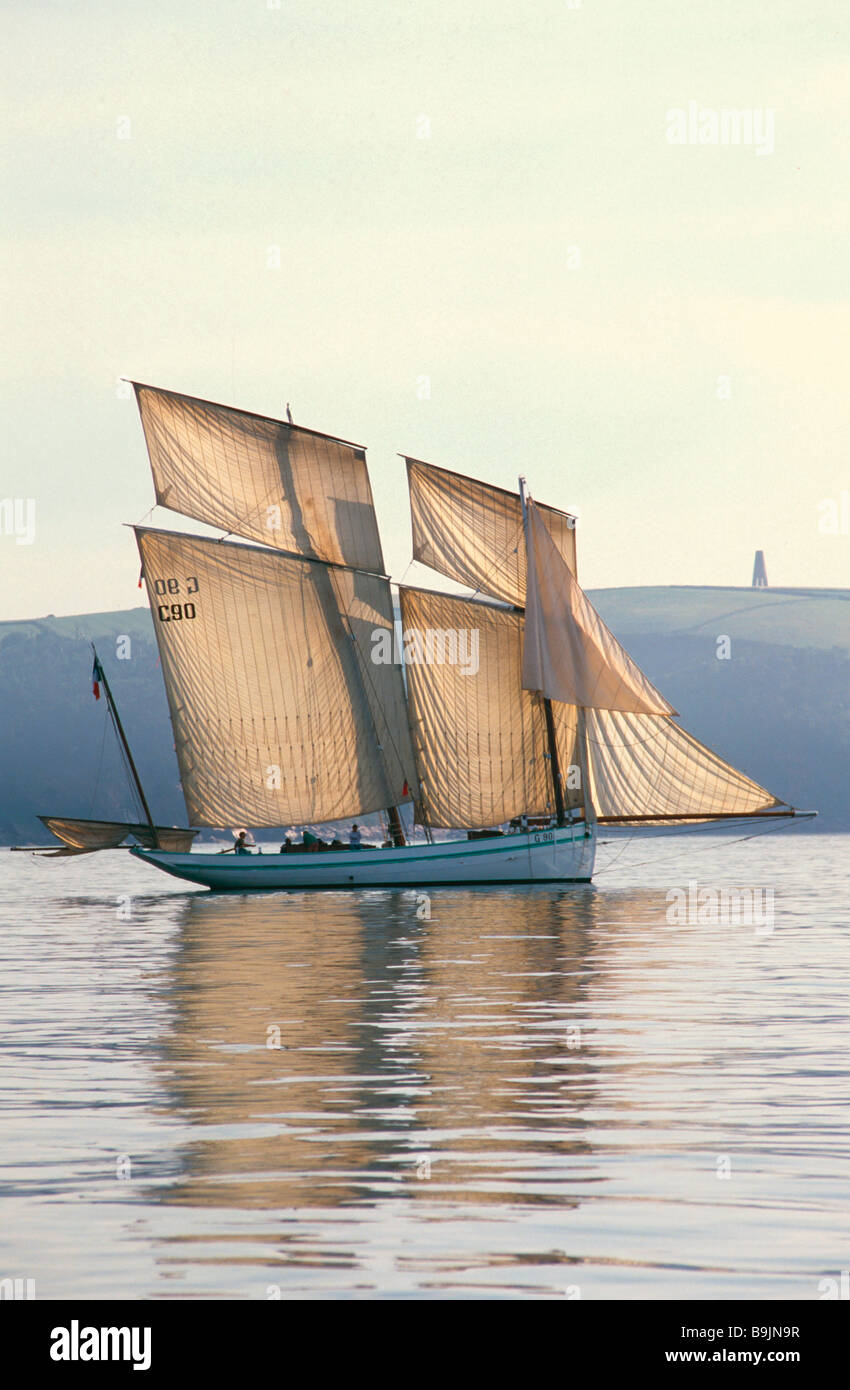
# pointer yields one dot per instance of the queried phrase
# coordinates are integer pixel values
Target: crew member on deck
(241, 846)
(354, 837)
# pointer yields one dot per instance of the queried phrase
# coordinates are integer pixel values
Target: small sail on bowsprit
(83, 836)
(648, 769)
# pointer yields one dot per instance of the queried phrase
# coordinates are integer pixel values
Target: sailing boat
(512, 719)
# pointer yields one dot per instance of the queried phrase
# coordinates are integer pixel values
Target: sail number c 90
(175, 612)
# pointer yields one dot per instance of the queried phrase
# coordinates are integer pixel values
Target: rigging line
(723, 844)
(99, 767)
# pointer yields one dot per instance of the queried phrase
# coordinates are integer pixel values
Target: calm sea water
(528, 1093)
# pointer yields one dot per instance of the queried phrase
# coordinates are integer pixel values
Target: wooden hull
(541, 856)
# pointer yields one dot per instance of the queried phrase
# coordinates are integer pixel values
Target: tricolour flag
(96, 675)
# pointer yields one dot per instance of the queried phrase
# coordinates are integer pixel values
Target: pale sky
(490, 257)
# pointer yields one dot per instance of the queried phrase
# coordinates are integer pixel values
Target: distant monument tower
(759, 571)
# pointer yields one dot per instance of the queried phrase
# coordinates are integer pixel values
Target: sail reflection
(430, 1055)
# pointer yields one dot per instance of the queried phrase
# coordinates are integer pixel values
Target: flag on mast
(96, 677)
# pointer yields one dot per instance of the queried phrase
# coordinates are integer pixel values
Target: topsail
(472, 532)
(272, 482)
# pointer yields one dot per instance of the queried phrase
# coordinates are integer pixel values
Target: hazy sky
(456, 229)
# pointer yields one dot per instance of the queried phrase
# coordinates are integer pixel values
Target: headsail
(472, 532)
(644, 767)
(269, 481)
(280, 715)
(480, 739)
(568, 653)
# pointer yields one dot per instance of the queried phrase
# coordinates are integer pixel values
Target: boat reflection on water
(330, 1049)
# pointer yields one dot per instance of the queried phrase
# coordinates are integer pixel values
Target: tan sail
(472, 532)
(569, 654)
(480, 739)
(645, 767)
(290, 488)
(85, 835)
(280, 714)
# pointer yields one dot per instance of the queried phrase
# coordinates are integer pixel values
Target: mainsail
(472, 532)
(480, 739)
(280, 714)
(264, 479)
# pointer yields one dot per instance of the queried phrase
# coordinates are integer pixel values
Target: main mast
(554, 759)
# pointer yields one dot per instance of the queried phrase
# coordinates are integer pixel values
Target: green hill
(803, 618)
